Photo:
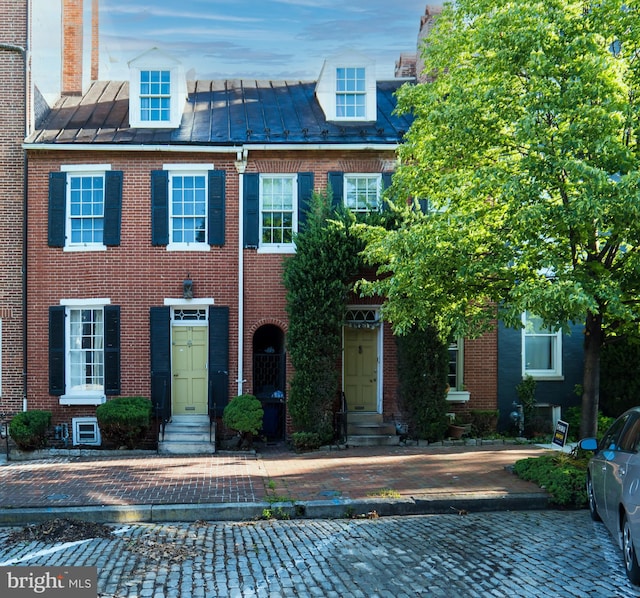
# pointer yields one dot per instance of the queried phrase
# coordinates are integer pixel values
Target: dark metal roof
(220, 113)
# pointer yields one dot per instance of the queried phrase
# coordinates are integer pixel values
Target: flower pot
(455, 432)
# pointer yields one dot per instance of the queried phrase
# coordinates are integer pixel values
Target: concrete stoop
(368, 429)
(188, 435)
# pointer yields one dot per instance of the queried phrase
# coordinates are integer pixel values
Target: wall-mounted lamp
(187, 288)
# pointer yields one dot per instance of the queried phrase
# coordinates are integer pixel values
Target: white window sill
(548, 377)
(458, 396)
(85, 248)
(277, 249)
(83, 399)
(188, 247)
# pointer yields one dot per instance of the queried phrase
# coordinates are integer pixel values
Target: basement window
(86, 431)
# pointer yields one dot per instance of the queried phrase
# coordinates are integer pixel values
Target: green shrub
(484, 422)
(125, 420)
(305, 441)
(562, 475)
(573, 416)
(244, 414)
(423, 365)
(28, 429)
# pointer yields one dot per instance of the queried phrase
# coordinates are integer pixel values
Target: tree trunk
(591, 376)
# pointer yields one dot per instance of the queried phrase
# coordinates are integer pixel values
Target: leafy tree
(525, 145)
(318, 279)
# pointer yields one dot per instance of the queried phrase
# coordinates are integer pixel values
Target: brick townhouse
(160, 211)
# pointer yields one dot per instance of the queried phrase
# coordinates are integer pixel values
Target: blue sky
(262, 39)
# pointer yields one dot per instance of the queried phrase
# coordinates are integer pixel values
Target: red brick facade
(13, 119)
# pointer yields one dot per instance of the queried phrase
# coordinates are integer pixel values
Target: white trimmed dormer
(346, 88)
(157, 91)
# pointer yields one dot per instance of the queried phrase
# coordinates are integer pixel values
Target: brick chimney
(427, 23)
(72, 47)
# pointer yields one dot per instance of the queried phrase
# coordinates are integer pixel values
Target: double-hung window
(278, 211)
(541, 348)
(85, 207)
(457, 392)
(188, 209)
(351, 92)
(155, 96)
(362, 192)
(84, 351)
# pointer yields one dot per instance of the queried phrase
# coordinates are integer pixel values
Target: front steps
(188, 435)
(368, 429)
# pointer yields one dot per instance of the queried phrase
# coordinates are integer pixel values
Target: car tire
(629, 552)
(591, 497)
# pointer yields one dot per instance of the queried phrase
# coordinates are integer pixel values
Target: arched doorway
(269, 378)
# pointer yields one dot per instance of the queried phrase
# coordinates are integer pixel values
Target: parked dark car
(613, 485)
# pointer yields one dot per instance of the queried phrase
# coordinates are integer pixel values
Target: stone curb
(322, 509)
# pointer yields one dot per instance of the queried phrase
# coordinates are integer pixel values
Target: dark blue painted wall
(555, 392)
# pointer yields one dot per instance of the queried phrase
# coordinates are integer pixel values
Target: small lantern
(187, 289)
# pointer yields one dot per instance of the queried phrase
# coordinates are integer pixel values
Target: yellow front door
(361, 369)
(189, 368)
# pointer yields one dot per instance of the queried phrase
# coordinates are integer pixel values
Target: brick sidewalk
(354, 473)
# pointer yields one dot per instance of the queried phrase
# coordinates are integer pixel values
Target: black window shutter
(160, 336)
(56, 350)
(216, 206)
(336, 182)
(57, 215)
(386, 183)
(218, 359)
(305, 191)
(159, 207)
(251, 202)
(112, 207)
(112, 350)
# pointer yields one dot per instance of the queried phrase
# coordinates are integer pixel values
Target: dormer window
(155, 96)
(157, 91)
(351, 92)
(346, 88)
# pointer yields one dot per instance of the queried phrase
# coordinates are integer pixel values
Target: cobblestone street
(524, 554)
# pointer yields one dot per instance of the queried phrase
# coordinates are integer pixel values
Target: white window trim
(76, 422)
(326, 86)
(348, 175)
(278, 247)
(175, 95)
(552, 374)
(189, 170)
(84, 397)
(78, 169)
(458, 395)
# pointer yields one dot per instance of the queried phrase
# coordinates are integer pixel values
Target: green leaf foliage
(28, 429)
(525, 144)
(563, 476)
(244, 413)
(125, 421)
(318, 279)
(423, 361)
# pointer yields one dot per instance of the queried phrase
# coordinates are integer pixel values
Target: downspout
(241, 165)
(24, 53)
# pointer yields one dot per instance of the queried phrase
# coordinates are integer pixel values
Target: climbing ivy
(318, 279)
(423, 361)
